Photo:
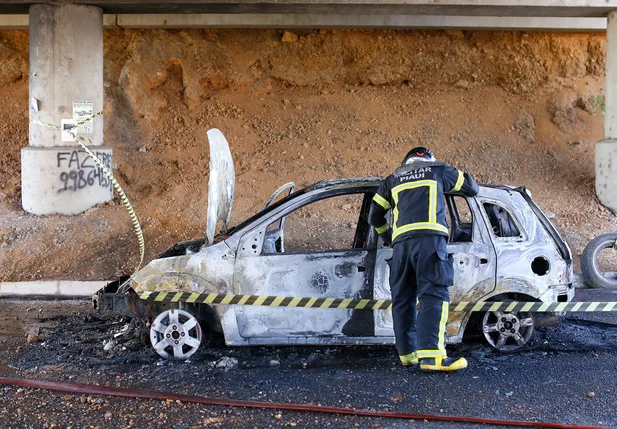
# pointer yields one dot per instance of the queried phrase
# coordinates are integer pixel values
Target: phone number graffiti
(78, 170)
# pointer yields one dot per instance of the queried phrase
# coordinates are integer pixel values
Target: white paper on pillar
(66, 125)
(83, 110)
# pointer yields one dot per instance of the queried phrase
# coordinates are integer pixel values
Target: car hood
(221, 184)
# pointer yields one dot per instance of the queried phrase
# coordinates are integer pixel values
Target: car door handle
(482, 260)
(347, 270)
(472, 260)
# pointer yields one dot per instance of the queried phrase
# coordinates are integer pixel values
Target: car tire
(589, 262)
(507, 332)
(175, 334)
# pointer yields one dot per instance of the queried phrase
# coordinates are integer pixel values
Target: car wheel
(507, 332)
(590, 265)
(175, 334)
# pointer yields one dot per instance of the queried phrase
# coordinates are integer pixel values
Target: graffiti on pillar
(78, 170)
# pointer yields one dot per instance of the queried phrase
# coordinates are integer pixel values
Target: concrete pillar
(66, 83)
(606, 150)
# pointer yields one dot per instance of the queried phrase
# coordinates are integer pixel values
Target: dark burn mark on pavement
(549, 381)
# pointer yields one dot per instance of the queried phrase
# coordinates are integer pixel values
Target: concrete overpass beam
(66, 82)
(606, 150)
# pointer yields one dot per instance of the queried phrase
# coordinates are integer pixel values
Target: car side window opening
(334, 223)
(461, 219)
(502, 222)
(282, 192)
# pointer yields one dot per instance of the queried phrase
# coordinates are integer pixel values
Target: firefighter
(420, 268)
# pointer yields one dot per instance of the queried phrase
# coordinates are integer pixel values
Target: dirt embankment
(516, 108)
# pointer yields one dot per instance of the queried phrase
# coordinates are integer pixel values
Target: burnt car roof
(369, 180)
(342, 184)
(374, 181)
(332, 184)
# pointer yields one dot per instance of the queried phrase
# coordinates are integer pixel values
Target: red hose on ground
(131, 393)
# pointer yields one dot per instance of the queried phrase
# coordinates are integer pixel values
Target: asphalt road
(567, 375)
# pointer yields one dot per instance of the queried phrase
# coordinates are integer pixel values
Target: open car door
(475, 263)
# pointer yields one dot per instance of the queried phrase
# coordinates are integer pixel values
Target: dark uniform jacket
(415, 194)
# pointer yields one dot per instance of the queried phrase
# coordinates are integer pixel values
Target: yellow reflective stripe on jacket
(432, 223)
(432, 188)
(459, 182)
(432, 207)
(419, 226)
(382, 201)
(383, 228)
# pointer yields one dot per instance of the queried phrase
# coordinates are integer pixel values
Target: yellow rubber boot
(442, 364)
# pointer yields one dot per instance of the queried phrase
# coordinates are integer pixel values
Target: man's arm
(377, 213)
(459, 182)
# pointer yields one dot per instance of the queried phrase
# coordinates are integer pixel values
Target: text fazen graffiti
(78, 170)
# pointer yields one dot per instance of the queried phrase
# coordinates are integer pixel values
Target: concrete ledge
(335, 21)
(13, 22)
(565, 8)
(51, 288)
(357, 21)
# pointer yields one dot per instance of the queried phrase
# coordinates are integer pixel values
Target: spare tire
(592, 274)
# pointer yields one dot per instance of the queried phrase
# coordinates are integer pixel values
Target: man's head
(419, 154)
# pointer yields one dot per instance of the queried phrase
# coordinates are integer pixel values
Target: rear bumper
(560, 293)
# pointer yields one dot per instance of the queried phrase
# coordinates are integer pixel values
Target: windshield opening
(268, 209)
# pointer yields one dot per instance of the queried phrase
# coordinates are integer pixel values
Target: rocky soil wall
(511, 107)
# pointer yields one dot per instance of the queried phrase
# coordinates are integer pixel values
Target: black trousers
(420, 270)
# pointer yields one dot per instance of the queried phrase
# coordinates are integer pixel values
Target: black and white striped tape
(368, 304)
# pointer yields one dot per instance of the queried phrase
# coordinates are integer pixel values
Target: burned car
(252, 282)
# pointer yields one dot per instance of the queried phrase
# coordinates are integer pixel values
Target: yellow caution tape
(369, 304)
(109, 175)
